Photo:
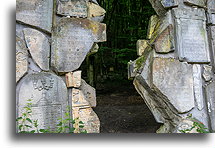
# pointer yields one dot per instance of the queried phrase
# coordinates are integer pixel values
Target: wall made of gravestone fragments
(174, 73)
(53, 37)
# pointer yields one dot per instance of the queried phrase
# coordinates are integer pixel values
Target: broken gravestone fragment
(79, 99)
(153, 23)
(158, 7)
(48, 94)
(179, 93)
(192, 40)
(198, 86)
(72, 40)
(36, 13)
(207, 74)
(164, 42)
(95, 10)
(21, 59)
(73, 79)
(39, 47)
(89, 93)
(76, 8)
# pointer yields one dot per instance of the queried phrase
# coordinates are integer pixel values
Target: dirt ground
(121, 110)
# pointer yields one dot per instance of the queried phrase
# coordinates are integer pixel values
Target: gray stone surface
(37, 13)
(158, 7)
(210, 93)
(39, 47)
(212, 46)
(174, 80)
(49, 98)
(89, 93)
(76, 8)
(207, 73)
(72, 40)
(198, 86)
(191, 35)
(21, 59)
(169, 3)
(73, 79)
(200, 3)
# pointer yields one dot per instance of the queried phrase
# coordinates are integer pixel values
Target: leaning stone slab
(191, 35)
(72, 40)
(210, 94)
(175, 81)
(95, 10)
(89, 93)
(21, 59)
(73, 79)
(158, 7)
(39, 47)
(37, 13)
(207, 73)
(75, 8)
(48, 94)
(153, 23)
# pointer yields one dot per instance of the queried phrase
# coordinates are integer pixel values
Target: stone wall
(174, 73)
(53, 37)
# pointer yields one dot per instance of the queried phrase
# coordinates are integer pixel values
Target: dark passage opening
(119, 107)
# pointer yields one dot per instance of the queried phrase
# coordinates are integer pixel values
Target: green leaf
(80, 122)
(28, 126)
(33, 131)
(20, 127)
(60, 124)
(19, 118)
(29, 120)
(81, 126)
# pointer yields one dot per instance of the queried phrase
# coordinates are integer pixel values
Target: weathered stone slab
(95, 10)
(169, 3)
(200, 3)
(141, 46)
(164, 43)
(192, 40)
(79, 99)
(174, 80)
(37, 13)
(73, 79)
(89, 93)
(76, 8)
(212, 46)
(21, 59)
(158, 7)
(210, 93)
(90, 119)
(39, 47)
(198, 86)
(49, 98)
(207, 73)
(131, 70)
(72, 40)
(153, 22)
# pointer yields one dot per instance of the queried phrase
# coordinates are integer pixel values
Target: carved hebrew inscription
(48, 93)
(72, 40)
(192, 41)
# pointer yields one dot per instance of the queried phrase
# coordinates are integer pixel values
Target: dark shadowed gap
(119, 107)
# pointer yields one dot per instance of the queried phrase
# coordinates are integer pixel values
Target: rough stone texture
(39, 47)
(180, 93)
(211, 11)
(89, 117)
(210, 93)
(72, 40)
(198, 86)
(95, 10)
(73, 79)
(141, 46)
(164, 43)
(36, 13)
(79, 99)
(200, 3)
(76, 8)
(153, 22)
(212, 46)
(89, 92)
(192, 40)
(207, 74)
(169, 3)
(49, 98)
(21, 59)
(158, 7)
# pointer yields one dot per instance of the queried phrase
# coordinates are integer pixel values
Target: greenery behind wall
(127, 21)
